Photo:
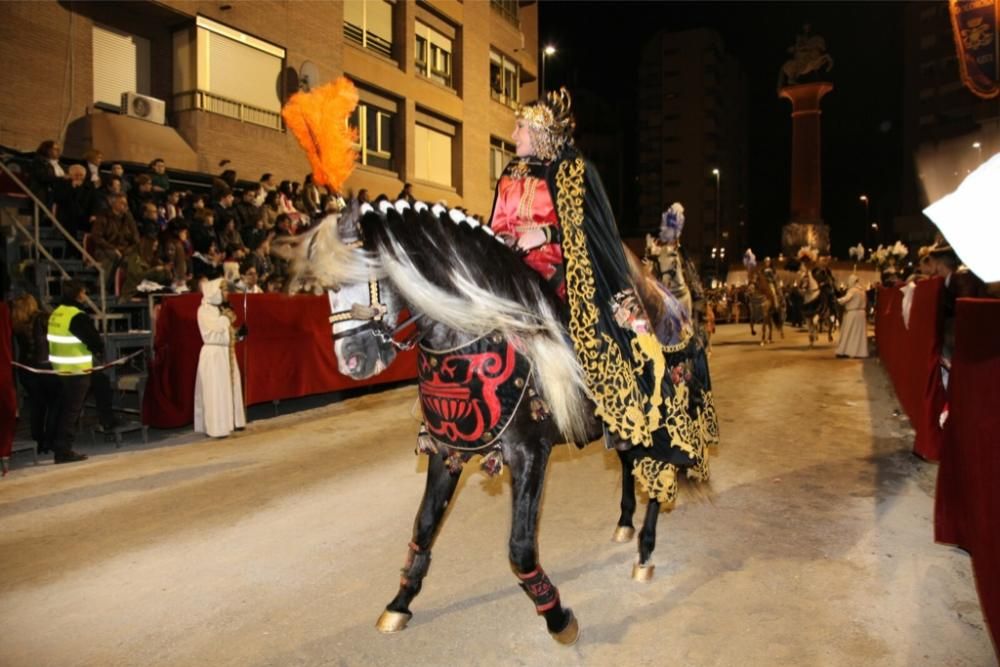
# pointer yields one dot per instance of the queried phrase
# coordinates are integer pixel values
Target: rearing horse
(496, 376)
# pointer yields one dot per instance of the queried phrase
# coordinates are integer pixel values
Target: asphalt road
(281, 546)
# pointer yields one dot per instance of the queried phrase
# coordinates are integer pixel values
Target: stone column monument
(804, 80)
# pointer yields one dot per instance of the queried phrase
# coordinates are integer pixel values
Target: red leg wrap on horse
(541, 591)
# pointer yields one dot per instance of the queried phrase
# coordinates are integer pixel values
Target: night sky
(599, 45)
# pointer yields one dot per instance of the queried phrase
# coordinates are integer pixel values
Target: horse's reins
(372, 317)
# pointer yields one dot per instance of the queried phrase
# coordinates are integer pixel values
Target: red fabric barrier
(911, 357)
(967, 504)
(8, 394)
(289, 354)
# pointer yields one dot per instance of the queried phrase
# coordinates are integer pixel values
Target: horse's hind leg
(527, 469)
(441, 483)
(643, 570)
(625, 532)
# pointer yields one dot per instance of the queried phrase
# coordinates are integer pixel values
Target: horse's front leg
(441, 483)
(643, 570)
(527, 469)
(625, 532)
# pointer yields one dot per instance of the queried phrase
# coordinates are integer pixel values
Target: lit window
(374, 126)
(501, 152)
(433, 54)
(505, 79)
(432, 155)
(369, 24)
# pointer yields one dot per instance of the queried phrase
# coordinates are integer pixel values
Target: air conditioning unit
(144, 107)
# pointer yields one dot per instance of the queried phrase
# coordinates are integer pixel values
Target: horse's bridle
(372, 318)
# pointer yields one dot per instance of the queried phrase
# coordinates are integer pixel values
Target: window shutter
(121, 64)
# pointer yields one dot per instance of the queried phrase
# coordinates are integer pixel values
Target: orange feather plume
(318, 119)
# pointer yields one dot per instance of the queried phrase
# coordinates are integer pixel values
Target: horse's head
(364, 309)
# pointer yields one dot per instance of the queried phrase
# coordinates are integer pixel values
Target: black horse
(497, 377)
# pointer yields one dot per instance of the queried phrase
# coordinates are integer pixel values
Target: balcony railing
(508, 10)
(202, 100)
(367, 39)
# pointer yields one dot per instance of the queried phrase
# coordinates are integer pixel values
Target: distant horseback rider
(671, 265)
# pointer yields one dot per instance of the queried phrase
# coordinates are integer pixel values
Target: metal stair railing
(37, 247)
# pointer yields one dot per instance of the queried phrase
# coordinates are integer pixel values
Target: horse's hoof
(642, 572)
(392, 621)
(568, 635)
(623, 534)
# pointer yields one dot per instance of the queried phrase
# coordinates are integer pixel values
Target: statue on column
(809, 57)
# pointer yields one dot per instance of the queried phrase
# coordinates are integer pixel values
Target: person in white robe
(218, 394)
(854, 328)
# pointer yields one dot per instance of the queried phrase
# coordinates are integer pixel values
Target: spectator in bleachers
(270, 210)
(286, 203)
(119, 171)
(223, 184)
(206, 262)
(248, 279)
(203, 229)
(30, 325)
(312, 197)
(158, 177)
(225, 213)
(113, 233)
(174, 250)
(73, 200)
(141, 194)
(149, 223)
(266, 185)
(92, 161)
(260, 259)
(194, 204)
(172, 206)
(112, 186)
(406, 194)
(247, 211)
(142, 262)
(230, 238)
(45, 170)
(363, 197)
(283, 225)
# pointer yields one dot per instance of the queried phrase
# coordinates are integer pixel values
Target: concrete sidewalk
(281, 546)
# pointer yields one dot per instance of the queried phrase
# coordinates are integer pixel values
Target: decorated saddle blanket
(470, 394)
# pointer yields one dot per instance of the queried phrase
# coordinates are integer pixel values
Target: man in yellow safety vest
(73, 343)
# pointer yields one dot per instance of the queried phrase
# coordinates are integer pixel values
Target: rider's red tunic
(523, 203)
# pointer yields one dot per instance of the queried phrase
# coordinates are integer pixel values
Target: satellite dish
(308, 76)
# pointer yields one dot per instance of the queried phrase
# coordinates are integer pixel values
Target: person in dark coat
(45, 171)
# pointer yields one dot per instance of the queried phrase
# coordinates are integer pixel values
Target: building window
(433, 55)
(505, 79)
(121, 65)
(368, 23)
(221, 70)
(434, 149)
(507, 9)
(374, 121)
(501, 152)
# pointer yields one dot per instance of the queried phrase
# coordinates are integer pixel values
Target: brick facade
(47, 81)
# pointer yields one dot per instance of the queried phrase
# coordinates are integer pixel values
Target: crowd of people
(149, 235)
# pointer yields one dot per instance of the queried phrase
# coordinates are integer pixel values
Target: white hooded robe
(218, 393)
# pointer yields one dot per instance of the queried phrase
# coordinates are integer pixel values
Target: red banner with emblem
(974, 24)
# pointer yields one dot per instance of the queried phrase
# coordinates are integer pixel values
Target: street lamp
(718, 203)
(549, 50)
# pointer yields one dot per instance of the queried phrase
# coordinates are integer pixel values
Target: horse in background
(818, 303)
(767, 304)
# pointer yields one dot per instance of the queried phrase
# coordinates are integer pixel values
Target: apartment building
(204, 82)
(693, 142)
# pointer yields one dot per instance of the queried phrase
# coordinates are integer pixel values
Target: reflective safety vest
(67, 353)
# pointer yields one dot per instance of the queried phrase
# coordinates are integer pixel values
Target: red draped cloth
(911, 356)
(8, 395)
(967, 504)
(288, 353)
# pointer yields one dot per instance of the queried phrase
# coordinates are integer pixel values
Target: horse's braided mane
(440, 248)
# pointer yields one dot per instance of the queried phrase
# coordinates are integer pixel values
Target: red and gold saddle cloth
(469, 394)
